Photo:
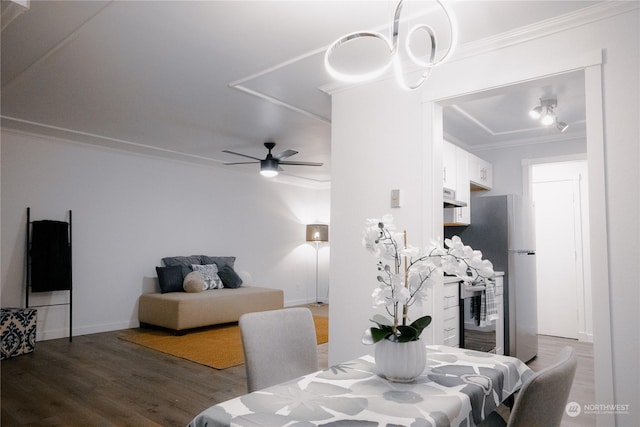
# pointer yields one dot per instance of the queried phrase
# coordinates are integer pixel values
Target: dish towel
(490, 309)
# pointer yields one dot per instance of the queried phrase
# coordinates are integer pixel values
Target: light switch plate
(395, 198)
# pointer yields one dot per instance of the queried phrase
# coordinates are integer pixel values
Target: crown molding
(588, 15)
(527, 141)
(26, 127)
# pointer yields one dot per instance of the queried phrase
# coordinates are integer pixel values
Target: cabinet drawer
(451, 320)
(451, 296)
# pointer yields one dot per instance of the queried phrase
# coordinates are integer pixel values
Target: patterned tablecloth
(458, 388)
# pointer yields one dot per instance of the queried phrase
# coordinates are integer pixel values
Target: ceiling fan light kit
(269, 168)
(270, 165)
(544, 112)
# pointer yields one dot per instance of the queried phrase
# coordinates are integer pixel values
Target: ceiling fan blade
(240, 154)
(241, 163)
(302, 163)
(285, 154)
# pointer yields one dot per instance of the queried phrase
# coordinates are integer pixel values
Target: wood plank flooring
(583, 389)
(101, 380)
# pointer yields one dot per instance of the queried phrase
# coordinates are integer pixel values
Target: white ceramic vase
(400, 361)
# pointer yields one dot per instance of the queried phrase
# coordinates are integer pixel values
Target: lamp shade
(317, 233)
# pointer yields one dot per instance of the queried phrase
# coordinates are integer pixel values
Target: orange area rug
(219, 347)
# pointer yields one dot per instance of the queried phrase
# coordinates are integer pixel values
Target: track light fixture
(544, 112)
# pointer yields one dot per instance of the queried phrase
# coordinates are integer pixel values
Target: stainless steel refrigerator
(503, 228)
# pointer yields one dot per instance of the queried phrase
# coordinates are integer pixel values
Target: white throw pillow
(193, 282)
(210, 274)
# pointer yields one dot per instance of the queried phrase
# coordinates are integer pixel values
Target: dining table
(458, 387)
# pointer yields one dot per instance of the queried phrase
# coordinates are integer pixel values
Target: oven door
(477, 333)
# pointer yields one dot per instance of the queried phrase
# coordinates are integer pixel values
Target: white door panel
(556, 253)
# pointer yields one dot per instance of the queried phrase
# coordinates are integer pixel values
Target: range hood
(449, 199)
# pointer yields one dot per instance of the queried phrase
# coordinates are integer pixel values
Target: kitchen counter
(450, 279)
(454, 279)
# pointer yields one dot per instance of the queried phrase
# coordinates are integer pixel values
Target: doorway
(560, 193)
(446, 94)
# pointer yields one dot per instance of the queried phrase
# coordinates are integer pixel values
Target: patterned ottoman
(18, 331)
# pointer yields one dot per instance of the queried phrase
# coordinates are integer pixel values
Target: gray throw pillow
(170, 278)
(220, 261)
(229, 277)
(183, 261)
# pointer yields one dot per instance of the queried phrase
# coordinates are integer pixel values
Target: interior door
(557, 267)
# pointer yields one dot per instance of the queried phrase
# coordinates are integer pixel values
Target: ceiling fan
(270, 165)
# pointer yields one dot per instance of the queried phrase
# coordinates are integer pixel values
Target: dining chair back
(543, 397)
(278, 345)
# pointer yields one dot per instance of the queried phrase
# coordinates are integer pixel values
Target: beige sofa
(184, 310)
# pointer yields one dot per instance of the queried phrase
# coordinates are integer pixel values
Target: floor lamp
(317, 233)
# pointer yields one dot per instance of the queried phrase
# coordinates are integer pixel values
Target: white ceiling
(189, 79)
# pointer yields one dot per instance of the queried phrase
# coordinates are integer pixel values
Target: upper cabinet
(456, 177)
(480, 173)
(449, 178)
(463, 172)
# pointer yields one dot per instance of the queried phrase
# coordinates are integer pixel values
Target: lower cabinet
(451, 317)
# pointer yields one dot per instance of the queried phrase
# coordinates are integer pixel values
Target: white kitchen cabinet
(451, 315)
(449, 178)
(460, 173)
(480, 173)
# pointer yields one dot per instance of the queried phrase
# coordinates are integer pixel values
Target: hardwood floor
(101, 380)
(583, 389)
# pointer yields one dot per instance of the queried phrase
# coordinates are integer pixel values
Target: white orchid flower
(422, 267)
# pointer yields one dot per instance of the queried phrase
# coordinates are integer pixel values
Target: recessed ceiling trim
(280, 103)
(36, 63)
(16, 125)
(471, 118)
(11, 10)
(239, 85)
(528, 141)
(493, 133)
(90, 138)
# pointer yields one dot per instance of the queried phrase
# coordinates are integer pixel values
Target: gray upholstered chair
(279, 345)
(543, 397)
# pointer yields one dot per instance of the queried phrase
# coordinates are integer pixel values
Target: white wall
(377, 146)
(507, 162)
(130, 210)
(363, 119)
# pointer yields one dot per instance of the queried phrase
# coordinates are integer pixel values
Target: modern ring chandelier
(393, 44)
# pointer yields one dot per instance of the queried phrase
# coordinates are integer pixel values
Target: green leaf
(380, 320)
(421, 323)
(408, 333)
(378, 334)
